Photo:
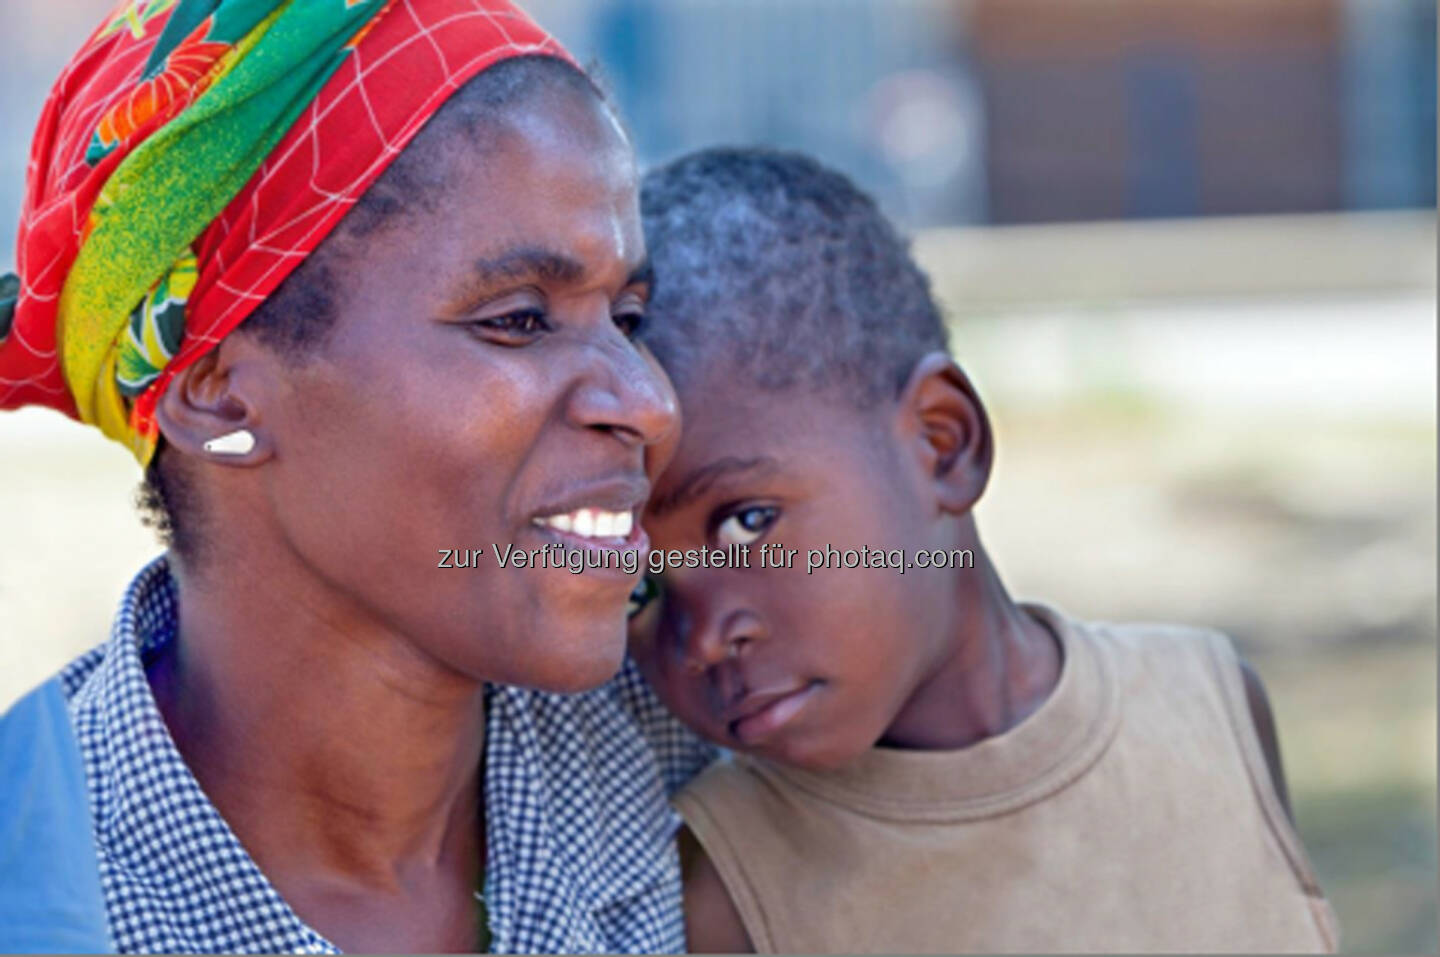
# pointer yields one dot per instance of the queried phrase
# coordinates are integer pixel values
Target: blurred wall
(1117, 108)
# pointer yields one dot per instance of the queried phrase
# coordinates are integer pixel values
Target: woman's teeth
(591, 523)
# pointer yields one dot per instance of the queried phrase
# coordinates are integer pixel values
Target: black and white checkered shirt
(579, 833)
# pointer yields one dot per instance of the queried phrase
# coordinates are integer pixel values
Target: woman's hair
(296, 318)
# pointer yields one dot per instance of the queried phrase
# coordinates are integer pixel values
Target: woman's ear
(204, 414)
(949, 431)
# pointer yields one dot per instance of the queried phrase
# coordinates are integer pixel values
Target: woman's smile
(601, 520)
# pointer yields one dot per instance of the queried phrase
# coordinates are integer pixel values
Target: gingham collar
(175, 876)
(579, 832)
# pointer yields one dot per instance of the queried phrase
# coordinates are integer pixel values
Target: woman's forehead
(548, 192)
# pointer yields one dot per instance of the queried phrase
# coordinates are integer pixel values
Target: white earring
(239, 442)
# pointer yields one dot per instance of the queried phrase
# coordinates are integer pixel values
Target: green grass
(1357, 727)
(1374, 850)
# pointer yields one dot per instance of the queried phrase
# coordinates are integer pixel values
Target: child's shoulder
(1160, 641)
(1159, 659)
(730, 783)
(1172, 674)
(734, 840)
(1182, 670)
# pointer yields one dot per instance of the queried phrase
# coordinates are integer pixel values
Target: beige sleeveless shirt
(1132, 812)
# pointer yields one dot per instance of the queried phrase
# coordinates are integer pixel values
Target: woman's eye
(746, 525)
(522, 323)
(630, 323)
(644, 593)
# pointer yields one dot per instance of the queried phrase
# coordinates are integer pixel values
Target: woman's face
(481, 381)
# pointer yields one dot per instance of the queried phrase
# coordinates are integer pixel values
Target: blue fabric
(50, 898)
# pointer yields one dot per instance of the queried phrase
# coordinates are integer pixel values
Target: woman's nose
(625, 393)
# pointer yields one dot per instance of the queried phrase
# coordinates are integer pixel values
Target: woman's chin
(584, 661)
(586, 676)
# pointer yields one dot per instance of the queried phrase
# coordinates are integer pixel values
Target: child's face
(812, 668)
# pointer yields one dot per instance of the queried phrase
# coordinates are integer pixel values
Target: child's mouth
(760, 715)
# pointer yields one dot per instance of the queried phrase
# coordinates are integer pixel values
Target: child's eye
(644, 593)
(746, 525)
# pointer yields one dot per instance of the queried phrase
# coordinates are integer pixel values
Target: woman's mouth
(760, 715)
(591, 523)
(593, 529)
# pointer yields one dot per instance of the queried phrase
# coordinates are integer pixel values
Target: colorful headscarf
(191, 155)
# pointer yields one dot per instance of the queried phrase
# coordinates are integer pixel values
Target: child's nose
(718, 636)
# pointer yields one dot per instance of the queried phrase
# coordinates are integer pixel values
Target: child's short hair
(790, 269)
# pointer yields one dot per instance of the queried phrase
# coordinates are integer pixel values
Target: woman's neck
(339, 753)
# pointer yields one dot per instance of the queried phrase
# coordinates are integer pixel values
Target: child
(921, 764)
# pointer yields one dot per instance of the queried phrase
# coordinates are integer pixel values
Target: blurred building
(958, 111)
(1111, 109)
(880, 89)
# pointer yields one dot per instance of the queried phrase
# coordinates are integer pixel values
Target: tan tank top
(1132, 812)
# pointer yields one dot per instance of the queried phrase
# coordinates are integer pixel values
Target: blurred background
(1188, 254)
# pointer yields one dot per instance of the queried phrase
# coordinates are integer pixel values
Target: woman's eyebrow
(545, 264)
(526, 262)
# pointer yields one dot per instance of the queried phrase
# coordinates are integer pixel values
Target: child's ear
(206, 401)
(947, 427)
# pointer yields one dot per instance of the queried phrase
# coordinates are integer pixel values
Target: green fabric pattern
(156, 327)
(165, 192)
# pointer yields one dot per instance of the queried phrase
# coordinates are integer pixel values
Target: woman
(302, 733)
